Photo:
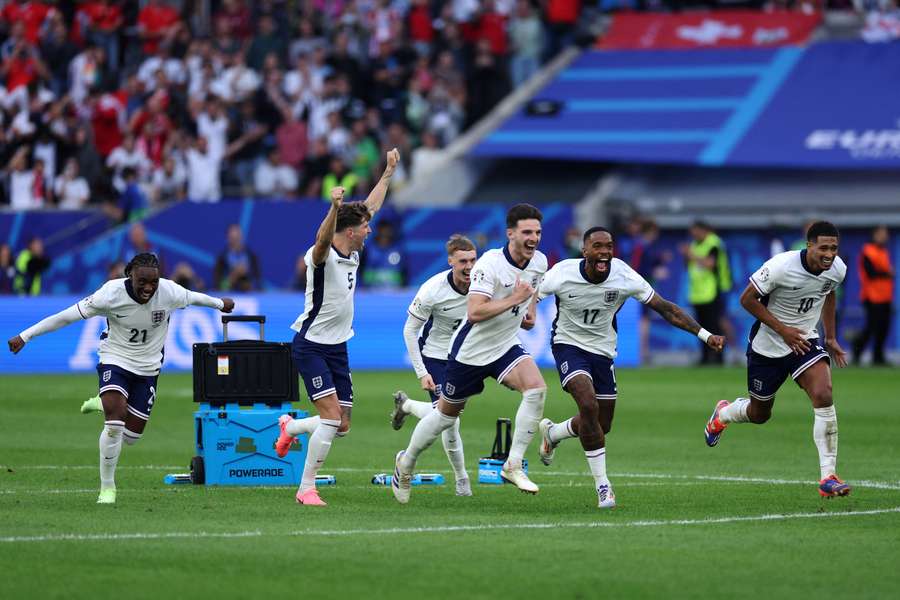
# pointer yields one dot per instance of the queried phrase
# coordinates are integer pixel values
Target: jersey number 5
(138, 333)
(805, 305)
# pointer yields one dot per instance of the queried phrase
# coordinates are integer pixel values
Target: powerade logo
(863, 144)
(241, 473)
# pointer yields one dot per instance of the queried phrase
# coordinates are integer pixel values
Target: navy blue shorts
(139, 390)
(437, 368)
(765, 375)
(325, 369)
(572, 361)
(462, 381)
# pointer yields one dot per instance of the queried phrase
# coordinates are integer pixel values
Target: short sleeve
(765, 279)
(177, 296)
(638, 287)
(422, 304)
(550, 284)
(96, 304)
(483, 279)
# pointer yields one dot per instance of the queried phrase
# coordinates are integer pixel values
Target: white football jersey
(328, 310)
(135, 335)
(794, 295)
(442, 307)
(585, 311)
(494, 276)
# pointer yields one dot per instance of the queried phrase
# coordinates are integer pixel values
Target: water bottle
(418, 479)
(325, 480)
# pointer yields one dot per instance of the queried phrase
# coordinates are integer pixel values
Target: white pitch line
(882, 485)
(442, 528)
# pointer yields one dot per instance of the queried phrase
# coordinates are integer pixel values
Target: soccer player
(486, 344)
(137, 311)
(320, 344)
(788, 295)
(437, 310)
(589, 292)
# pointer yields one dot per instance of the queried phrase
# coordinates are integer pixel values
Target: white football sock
(317, 451)
(426, 431)
(298, 426)
(561, 431)
(418, 409)
(453, 446)
(825, 435)
(736, 412)
(131, 438)
(527, 417)
(597, 462)
(110, 448)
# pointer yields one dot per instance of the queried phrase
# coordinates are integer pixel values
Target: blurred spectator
(427, 157)
(488, 83)
(185, 276)
(245, 146)
(115, 271)
(128, 156)
(383, 263)
(363, 150)
(169, 182)
(316, 166)
(876, 277)
(237, 267)
(573, 242)
(266, 41)
(157, 23)
(100, 21)
(138, 243)
(709, 279)
(90, 165)
(275, 179)
(58, 50)
(338, 175)
(7, 269)
(71, 189)
(560, 17)
(30, 263)
(133, 204)
(291, 140)
(527, 40)
(22, 182)
(203, 173)
(651, 261)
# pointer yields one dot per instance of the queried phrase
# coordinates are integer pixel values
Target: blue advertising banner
(378, 343)
(785, 107)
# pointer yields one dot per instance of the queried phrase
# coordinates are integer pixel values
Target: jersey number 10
(805, 305)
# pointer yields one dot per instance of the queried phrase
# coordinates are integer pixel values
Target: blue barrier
(785, 107)
(378, 343)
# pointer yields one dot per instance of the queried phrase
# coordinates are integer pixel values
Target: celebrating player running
(137, 311)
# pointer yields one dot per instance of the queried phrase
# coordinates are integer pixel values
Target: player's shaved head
(593, 230)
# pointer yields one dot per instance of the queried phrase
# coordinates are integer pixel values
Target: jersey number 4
(138, 333)
(805, 305)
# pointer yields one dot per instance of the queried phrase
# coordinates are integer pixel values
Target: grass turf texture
(656, 456)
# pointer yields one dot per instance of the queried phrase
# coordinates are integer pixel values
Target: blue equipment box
(489, 469)
(236, 446)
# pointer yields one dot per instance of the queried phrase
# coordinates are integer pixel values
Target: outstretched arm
(325, 235)
(674, 314)
(51, 323)
(226, 305)
(376, 196)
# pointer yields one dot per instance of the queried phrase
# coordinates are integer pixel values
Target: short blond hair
(458, 241)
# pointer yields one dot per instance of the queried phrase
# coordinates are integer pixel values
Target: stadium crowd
(131, 103)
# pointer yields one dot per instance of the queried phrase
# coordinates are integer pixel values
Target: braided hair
(145, 259)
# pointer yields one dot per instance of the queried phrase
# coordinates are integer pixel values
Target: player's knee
(130, 437)
(821, 395)
(588, 409)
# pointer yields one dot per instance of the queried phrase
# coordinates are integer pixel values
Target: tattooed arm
(676, 316)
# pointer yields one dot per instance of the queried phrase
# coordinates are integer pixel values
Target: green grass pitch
(689, 521)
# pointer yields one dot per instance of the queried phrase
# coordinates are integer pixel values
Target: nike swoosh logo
(121, 316)
(573, 295)
(507, 285)
(446, 309)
